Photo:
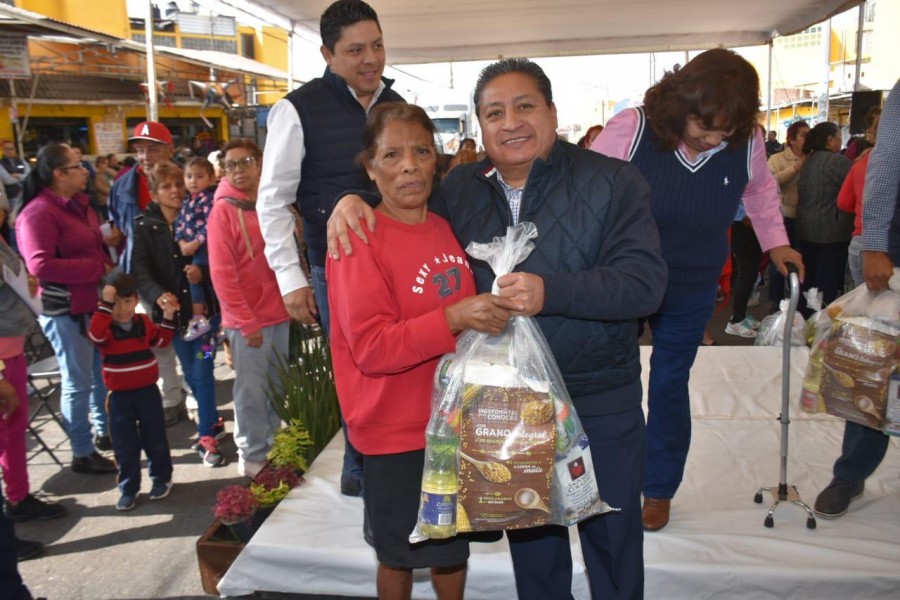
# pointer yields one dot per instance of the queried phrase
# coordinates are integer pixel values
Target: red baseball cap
(152, 131)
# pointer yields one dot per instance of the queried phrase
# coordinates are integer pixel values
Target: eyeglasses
(239, 165)
(70, 167)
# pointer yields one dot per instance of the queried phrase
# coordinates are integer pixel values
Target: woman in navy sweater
(696, 142)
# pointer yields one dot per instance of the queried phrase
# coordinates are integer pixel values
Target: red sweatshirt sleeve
(160, 335)
(380, 340)
(98, 330)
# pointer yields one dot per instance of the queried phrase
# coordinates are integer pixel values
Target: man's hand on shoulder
(301, 305)
(347, 216)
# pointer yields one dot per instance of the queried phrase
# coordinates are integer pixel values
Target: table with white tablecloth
(715, 545)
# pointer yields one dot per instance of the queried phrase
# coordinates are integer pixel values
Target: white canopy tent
(422, 31)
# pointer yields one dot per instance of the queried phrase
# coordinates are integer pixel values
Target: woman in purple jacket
(59, 238)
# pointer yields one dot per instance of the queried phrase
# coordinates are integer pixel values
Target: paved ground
(97, 553)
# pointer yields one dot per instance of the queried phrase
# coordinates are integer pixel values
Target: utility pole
(153, 100)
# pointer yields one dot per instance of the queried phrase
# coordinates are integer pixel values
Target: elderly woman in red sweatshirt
(253, 314)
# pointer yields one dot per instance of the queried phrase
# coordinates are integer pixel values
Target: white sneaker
(249, 468)
(750, 322)
(740, 329)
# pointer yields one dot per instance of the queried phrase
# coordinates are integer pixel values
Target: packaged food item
(771, 329)
(854, 358)
(523, 458)
(507, 450)
(892, 414)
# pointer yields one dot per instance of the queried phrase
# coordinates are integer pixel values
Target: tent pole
(769, 100)
(859, 43)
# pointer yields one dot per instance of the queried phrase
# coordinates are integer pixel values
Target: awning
(17, 20)
(420, 32)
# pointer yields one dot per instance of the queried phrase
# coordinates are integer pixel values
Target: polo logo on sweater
(725, 181)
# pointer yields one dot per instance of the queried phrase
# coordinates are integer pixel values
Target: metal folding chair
(44, 382)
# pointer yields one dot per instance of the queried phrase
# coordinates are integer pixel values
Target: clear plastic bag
(853, 360)
(771, 329)
(523, 459)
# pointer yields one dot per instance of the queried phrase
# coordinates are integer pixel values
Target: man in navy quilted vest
(595, 270)
(314, 135)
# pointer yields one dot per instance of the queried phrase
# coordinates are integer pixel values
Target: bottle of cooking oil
(440, 483)
(810, 397)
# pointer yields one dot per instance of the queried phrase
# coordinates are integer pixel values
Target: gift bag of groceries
(504, 446)
(771, 329)
(852, 370)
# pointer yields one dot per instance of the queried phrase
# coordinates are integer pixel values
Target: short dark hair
(387, 112)
(795, 128)
(718, 86)
(343, 13)
(818, 136)
(513, 65)
(202, 162)
(122, 281)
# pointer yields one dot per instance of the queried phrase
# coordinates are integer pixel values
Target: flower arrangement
(303, 391)
(235, 503)
(271, 486)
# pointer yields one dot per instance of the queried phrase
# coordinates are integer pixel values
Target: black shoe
(103, 443)
(26, 550)
(94, 464)
(351, 486)
(832, 502)
(31, 508)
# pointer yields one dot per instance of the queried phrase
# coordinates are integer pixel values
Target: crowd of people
(155, 260)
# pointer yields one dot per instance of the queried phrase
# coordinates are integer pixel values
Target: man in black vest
(314, 135)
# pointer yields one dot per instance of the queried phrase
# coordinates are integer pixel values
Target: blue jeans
(198, 291)
(352, 468)
(612, 545)
(854, 259)
(197, 360)
(138, 423)
(677, 330)
(83, 391)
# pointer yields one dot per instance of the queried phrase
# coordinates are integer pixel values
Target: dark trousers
(11, 586)
(862, 451)
(777, 281)
(137, 422)
(612, 545)
(677, 330)
(825, 268)
(746, 253)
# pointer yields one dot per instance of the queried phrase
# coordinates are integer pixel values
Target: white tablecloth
(715, 546)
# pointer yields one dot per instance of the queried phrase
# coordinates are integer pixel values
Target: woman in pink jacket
(253, 314)
(59, 238)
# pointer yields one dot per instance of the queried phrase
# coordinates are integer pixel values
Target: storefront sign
(109, 136)
(14, 60)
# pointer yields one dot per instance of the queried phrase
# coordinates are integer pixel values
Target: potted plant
(303, 393)
(271, 486)
(235, 507)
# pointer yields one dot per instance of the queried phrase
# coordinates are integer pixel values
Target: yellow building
(89, 72)
(827, 52)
